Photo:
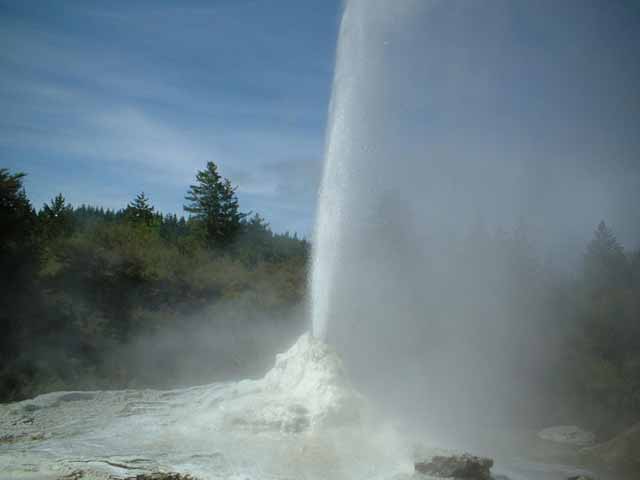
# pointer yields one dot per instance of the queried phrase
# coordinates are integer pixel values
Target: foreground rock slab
(457, 466)
(567, 434)
(622, 451)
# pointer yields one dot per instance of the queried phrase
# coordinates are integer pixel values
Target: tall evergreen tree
(213, 203)
(635, 269)
(140, 210)
(56, 217)
(19, 261)
(16, 213)
(606, 265)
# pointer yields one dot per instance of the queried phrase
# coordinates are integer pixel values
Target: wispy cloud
(142, 95)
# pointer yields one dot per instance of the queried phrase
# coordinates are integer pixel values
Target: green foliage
(172, 229)
(19, 261)
(257, 243)
(56, 218)
(80, 283)
(212, 202)
(140, 210)
(17, 217)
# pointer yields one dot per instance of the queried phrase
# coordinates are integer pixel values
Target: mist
(472, 148)
(220, 342)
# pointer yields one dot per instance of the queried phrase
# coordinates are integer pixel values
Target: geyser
(453, 144)
(352, 142)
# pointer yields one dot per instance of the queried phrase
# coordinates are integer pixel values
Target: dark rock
(75, 475)
(22, 437)
(161, 476)
(76, 396)
(457, 466)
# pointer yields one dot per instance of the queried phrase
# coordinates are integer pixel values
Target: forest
(134, 298)
(93, 298)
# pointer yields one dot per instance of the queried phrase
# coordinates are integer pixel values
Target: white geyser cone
(306, 389)
(312, 373)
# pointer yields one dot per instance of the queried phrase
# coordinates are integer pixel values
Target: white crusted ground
(303, 420)
(568, 434)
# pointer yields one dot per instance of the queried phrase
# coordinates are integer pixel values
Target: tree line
(77, 282)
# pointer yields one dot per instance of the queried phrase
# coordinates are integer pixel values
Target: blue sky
(102, 100)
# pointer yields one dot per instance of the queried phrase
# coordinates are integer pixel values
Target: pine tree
(257, 226)
(635, 269)
(605, 262)
(140, 210)
(19, 262)
(16, 213)
(214, 205)
(56, 217)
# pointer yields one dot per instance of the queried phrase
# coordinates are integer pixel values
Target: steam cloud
(451, 122)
